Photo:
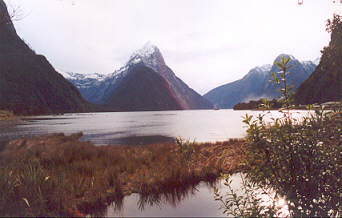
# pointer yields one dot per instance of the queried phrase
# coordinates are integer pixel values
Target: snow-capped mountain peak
(149, 55)
(147, 50)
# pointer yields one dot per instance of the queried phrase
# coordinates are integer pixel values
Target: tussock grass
(7, 115)
(58, 175)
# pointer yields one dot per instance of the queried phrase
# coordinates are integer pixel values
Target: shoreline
(7, 118)
(10, 122)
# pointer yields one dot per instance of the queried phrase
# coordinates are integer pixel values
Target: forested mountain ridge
(325, 83)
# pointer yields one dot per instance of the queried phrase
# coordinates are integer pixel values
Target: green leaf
(279, 65)
(287, 60)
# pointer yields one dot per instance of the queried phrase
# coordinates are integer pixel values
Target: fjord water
(120, 128)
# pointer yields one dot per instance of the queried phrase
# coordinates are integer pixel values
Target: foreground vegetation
(295, 160)
(59, 175)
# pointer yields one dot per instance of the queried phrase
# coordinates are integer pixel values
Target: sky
(207, 43)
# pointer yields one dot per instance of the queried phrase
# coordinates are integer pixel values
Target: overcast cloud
(206, 43)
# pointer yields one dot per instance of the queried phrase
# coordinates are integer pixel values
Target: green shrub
(299, 159)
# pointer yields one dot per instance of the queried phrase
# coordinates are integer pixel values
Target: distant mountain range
(105, 90)
(28, 82)
(256, 84)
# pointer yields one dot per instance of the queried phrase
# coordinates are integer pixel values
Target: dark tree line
(325, 83)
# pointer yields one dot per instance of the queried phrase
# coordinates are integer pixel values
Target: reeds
(52, 175)
(7, 116)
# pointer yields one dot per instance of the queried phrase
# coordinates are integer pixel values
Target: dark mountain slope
(28, 82)
(325, 82)
(150, 56)
(143, 90)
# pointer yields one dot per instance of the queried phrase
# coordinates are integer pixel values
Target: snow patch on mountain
(264, 69)
(307, 63)
(66, 75)
(316, 61)
(79, 76)
(259, 70)
(292, 57)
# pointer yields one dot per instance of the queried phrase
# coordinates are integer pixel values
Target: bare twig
(10, 13)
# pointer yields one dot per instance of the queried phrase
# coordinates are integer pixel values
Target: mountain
(87, 84)
(242, 90)
(150, 56)
(299, 73)
(325, 83)
(28, 82)
(309, 66)
(103, 90)
(316, 62)
(143, 90)
(256, 84)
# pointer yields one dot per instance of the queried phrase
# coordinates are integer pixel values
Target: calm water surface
(138, 127)
(196, 202)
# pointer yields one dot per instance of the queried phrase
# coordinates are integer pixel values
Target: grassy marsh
(58, 175)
